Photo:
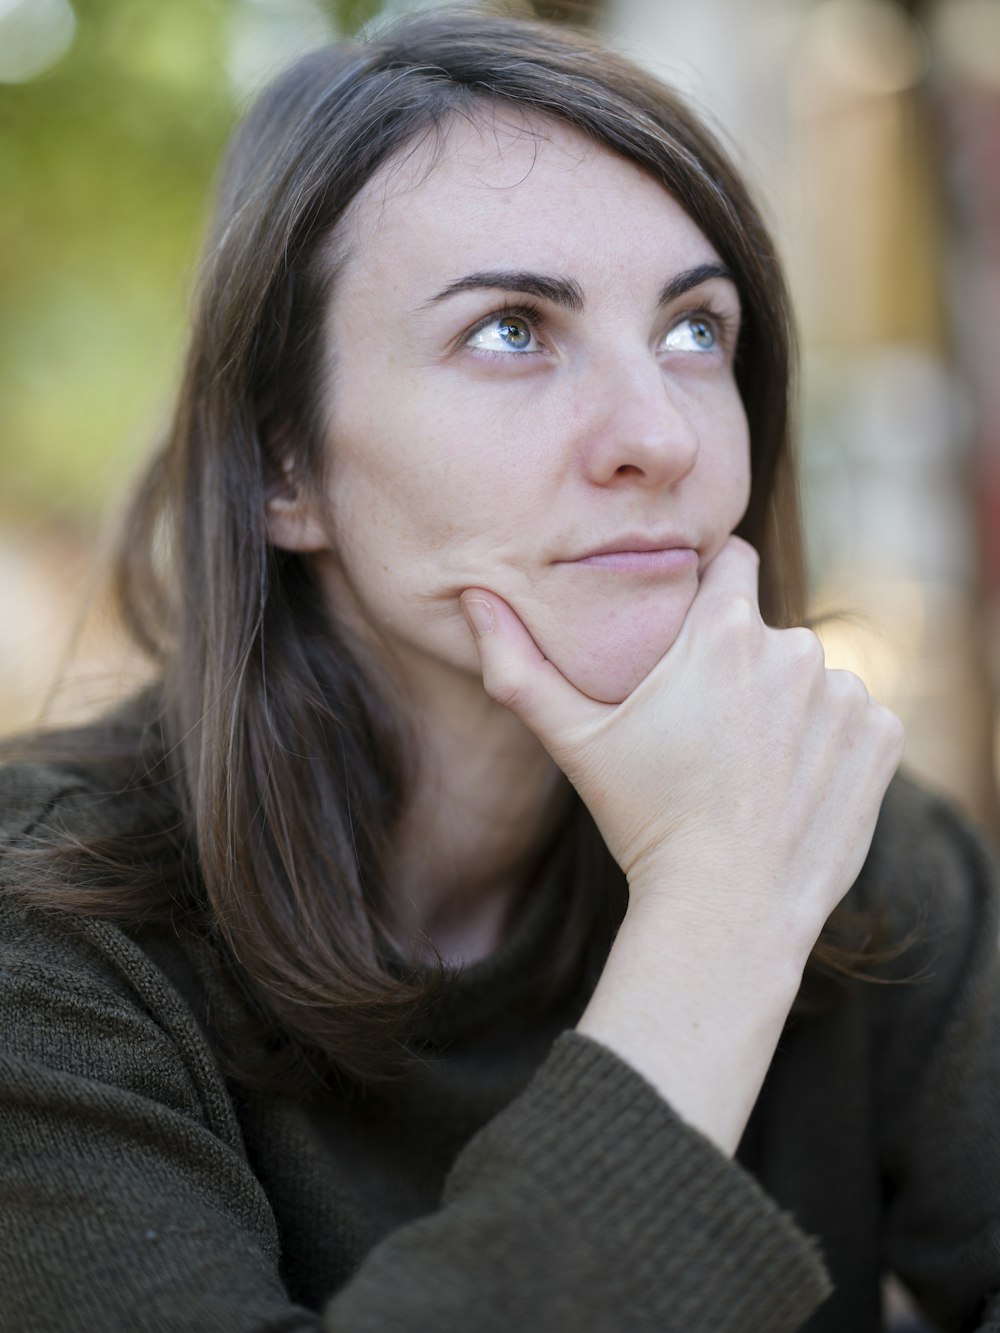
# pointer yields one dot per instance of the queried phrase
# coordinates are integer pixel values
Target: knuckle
(850, 689)
(504, 687)
(806, 646)
(893, 730)
(740, 615)
(749, 553)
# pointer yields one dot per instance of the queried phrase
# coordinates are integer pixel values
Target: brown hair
(255, 788)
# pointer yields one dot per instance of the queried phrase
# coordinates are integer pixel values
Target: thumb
(517, 674)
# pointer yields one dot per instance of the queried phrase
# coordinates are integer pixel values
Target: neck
(487, 801)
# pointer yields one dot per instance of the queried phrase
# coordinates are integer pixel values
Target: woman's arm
(589, 1205)
(128, 1200)
(738, 788)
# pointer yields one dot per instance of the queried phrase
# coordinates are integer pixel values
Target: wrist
(748, 927)
(699, 1021)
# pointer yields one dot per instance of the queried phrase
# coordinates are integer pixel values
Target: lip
(637, 553)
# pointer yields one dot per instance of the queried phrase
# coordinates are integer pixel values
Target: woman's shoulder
(920, 926)
(48, 811)
(79, 779)
(62, 820)
(84, 995)
(929, 862)
(931, 888)
(33, 791)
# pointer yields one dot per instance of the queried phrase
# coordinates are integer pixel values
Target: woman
(414, 952)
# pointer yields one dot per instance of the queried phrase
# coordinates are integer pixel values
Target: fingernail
(479, 615)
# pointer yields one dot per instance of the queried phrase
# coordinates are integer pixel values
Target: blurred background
(872, 131)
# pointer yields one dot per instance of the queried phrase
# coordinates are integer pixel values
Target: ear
(293, 520)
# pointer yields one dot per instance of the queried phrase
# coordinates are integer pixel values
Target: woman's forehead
(507, 184)
(489, 148)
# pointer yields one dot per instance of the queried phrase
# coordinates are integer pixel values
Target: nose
(643, 431)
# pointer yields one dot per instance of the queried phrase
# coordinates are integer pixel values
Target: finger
(848, 685)
(734, 572)
(893, 738)
(517, 674)
(726, 599)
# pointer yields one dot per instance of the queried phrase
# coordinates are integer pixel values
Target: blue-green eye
(504, 333)
(691, 334)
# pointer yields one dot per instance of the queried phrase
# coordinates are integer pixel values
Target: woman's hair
(255, 788)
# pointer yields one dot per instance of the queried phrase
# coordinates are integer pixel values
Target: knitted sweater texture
(524, 1177)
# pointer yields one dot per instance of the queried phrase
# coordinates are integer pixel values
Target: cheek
(434, 468)
(738, 489)
(726, 478)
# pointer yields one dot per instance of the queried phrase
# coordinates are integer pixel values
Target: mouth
(640, 554)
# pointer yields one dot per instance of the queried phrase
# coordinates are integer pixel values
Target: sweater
(524, 1177)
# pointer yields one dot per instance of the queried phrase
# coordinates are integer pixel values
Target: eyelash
(723, 325)
(526, 310)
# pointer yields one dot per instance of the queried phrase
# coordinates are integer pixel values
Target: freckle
(385, 569)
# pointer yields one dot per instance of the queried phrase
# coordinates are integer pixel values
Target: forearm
(611, 1212)
(699, 1022)
(737, 787)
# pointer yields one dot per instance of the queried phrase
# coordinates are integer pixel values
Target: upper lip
(633, 541)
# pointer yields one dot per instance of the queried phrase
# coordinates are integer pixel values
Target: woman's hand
(739, 766)
(737, 787)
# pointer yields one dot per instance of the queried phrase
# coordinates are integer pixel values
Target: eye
(694, 333)
(508, 332)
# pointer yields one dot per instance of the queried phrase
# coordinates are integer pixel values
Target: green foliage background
(106, 163)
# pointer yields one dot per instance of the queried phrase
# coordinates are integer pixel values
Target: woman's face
(530, 389)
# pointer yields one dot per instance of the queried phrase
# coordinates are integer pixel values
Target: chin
(609, 662)
(608, 683)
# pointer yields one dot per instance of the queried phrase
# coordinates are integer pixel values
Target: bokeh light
(34, 36)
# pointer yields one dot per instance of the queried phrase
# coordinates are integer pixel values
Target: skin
(733, 777)
(459, 457)
(462, 455)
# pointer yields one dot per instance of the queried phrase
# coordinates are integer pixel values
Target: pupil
(702, 333)
(513, 331)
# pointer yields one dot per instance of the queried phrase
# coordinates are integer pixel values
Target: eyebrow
(560, 291)
(694, 277)
(565, 291)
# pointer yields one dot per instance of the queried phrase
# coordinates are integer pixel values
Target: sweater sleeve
(938, 1068)
(589, 1205)
(127, 1198)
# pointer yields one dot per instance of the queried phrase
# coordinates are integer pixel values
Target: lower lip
(673, 560)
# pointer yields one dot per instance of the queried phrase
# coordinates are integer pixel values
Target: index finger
(732, 574)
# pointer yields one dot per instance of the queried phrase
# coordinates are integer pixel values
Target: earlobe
(293, 523)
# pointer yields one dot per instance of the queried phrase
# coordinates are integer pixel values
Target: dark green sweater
(522, 1179)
